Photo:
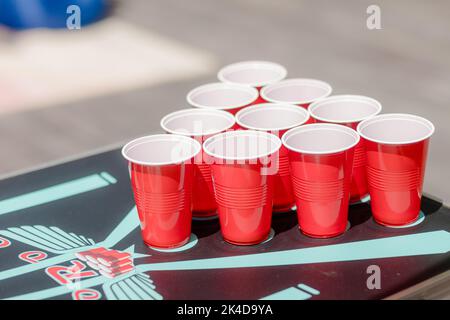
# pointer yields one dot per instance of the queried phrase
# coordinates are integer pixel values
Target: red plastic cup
(299, 91)
(222, 96)
(162, 171)
(349, 110)
(256, 74)
(276, 119)
(243, 164)
(321, 160)
(396, 149)
(200, 124)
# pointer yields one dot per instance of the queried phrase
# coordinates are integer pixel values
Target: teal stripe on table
(433, 242)
(56, 192)
(288, 294)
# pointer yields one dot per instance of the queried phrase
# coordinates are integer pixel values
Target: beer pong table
(71, 232)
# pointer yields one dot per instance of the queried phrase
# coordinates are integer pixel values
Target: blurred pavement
(406, 66)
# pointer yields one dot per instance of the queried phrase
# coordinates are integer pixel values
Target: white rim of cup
(193, 111)
(320, 126)
(220, 85)
(395, 116)
(300, 81)
(313, 107)
(249, 133)
(254, 64)
(261, 107)
(197, 147)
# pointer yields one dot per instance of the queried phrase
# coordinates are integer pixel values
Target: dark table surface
(49, 215)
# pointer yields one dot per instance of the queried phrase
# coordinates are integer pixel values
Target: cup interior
(242, 145)
(344, 109)
(222, 96)
(396, 129)
(323, 138)
(271, 117)
(296, 91)
(252, 73)
(197, 122)
(162, 149)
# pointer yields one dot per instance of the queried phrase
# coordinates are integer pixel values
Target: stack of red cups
(162, 172)
(200, 124)
(244, 163)
(255, 74)
(276, 119)
(396, 148)
(349, 110)
(237, 158)
(321, 161)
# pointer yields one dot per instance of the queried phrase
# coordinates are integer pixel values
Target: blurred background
(66, 93)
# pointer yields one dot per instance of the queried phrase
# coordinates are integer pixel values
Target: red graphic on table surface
(109, 263)
(32, 256)
(4, 243)
(86, 294)
(66, 275)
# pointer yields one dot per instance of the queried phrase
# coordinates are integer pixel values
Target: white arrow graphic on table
(434, 242)
(123, 229)
(53, 239)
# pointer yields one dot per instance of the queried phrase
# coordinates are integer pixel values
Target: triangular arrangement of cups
(256, 143)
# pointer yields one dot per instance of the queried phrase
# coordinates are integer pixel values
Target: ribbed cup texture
(205, 173)
(314, 191)
(359, 159)
(393, 181)
(283, 166)
(161, 203)
(241, 198)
